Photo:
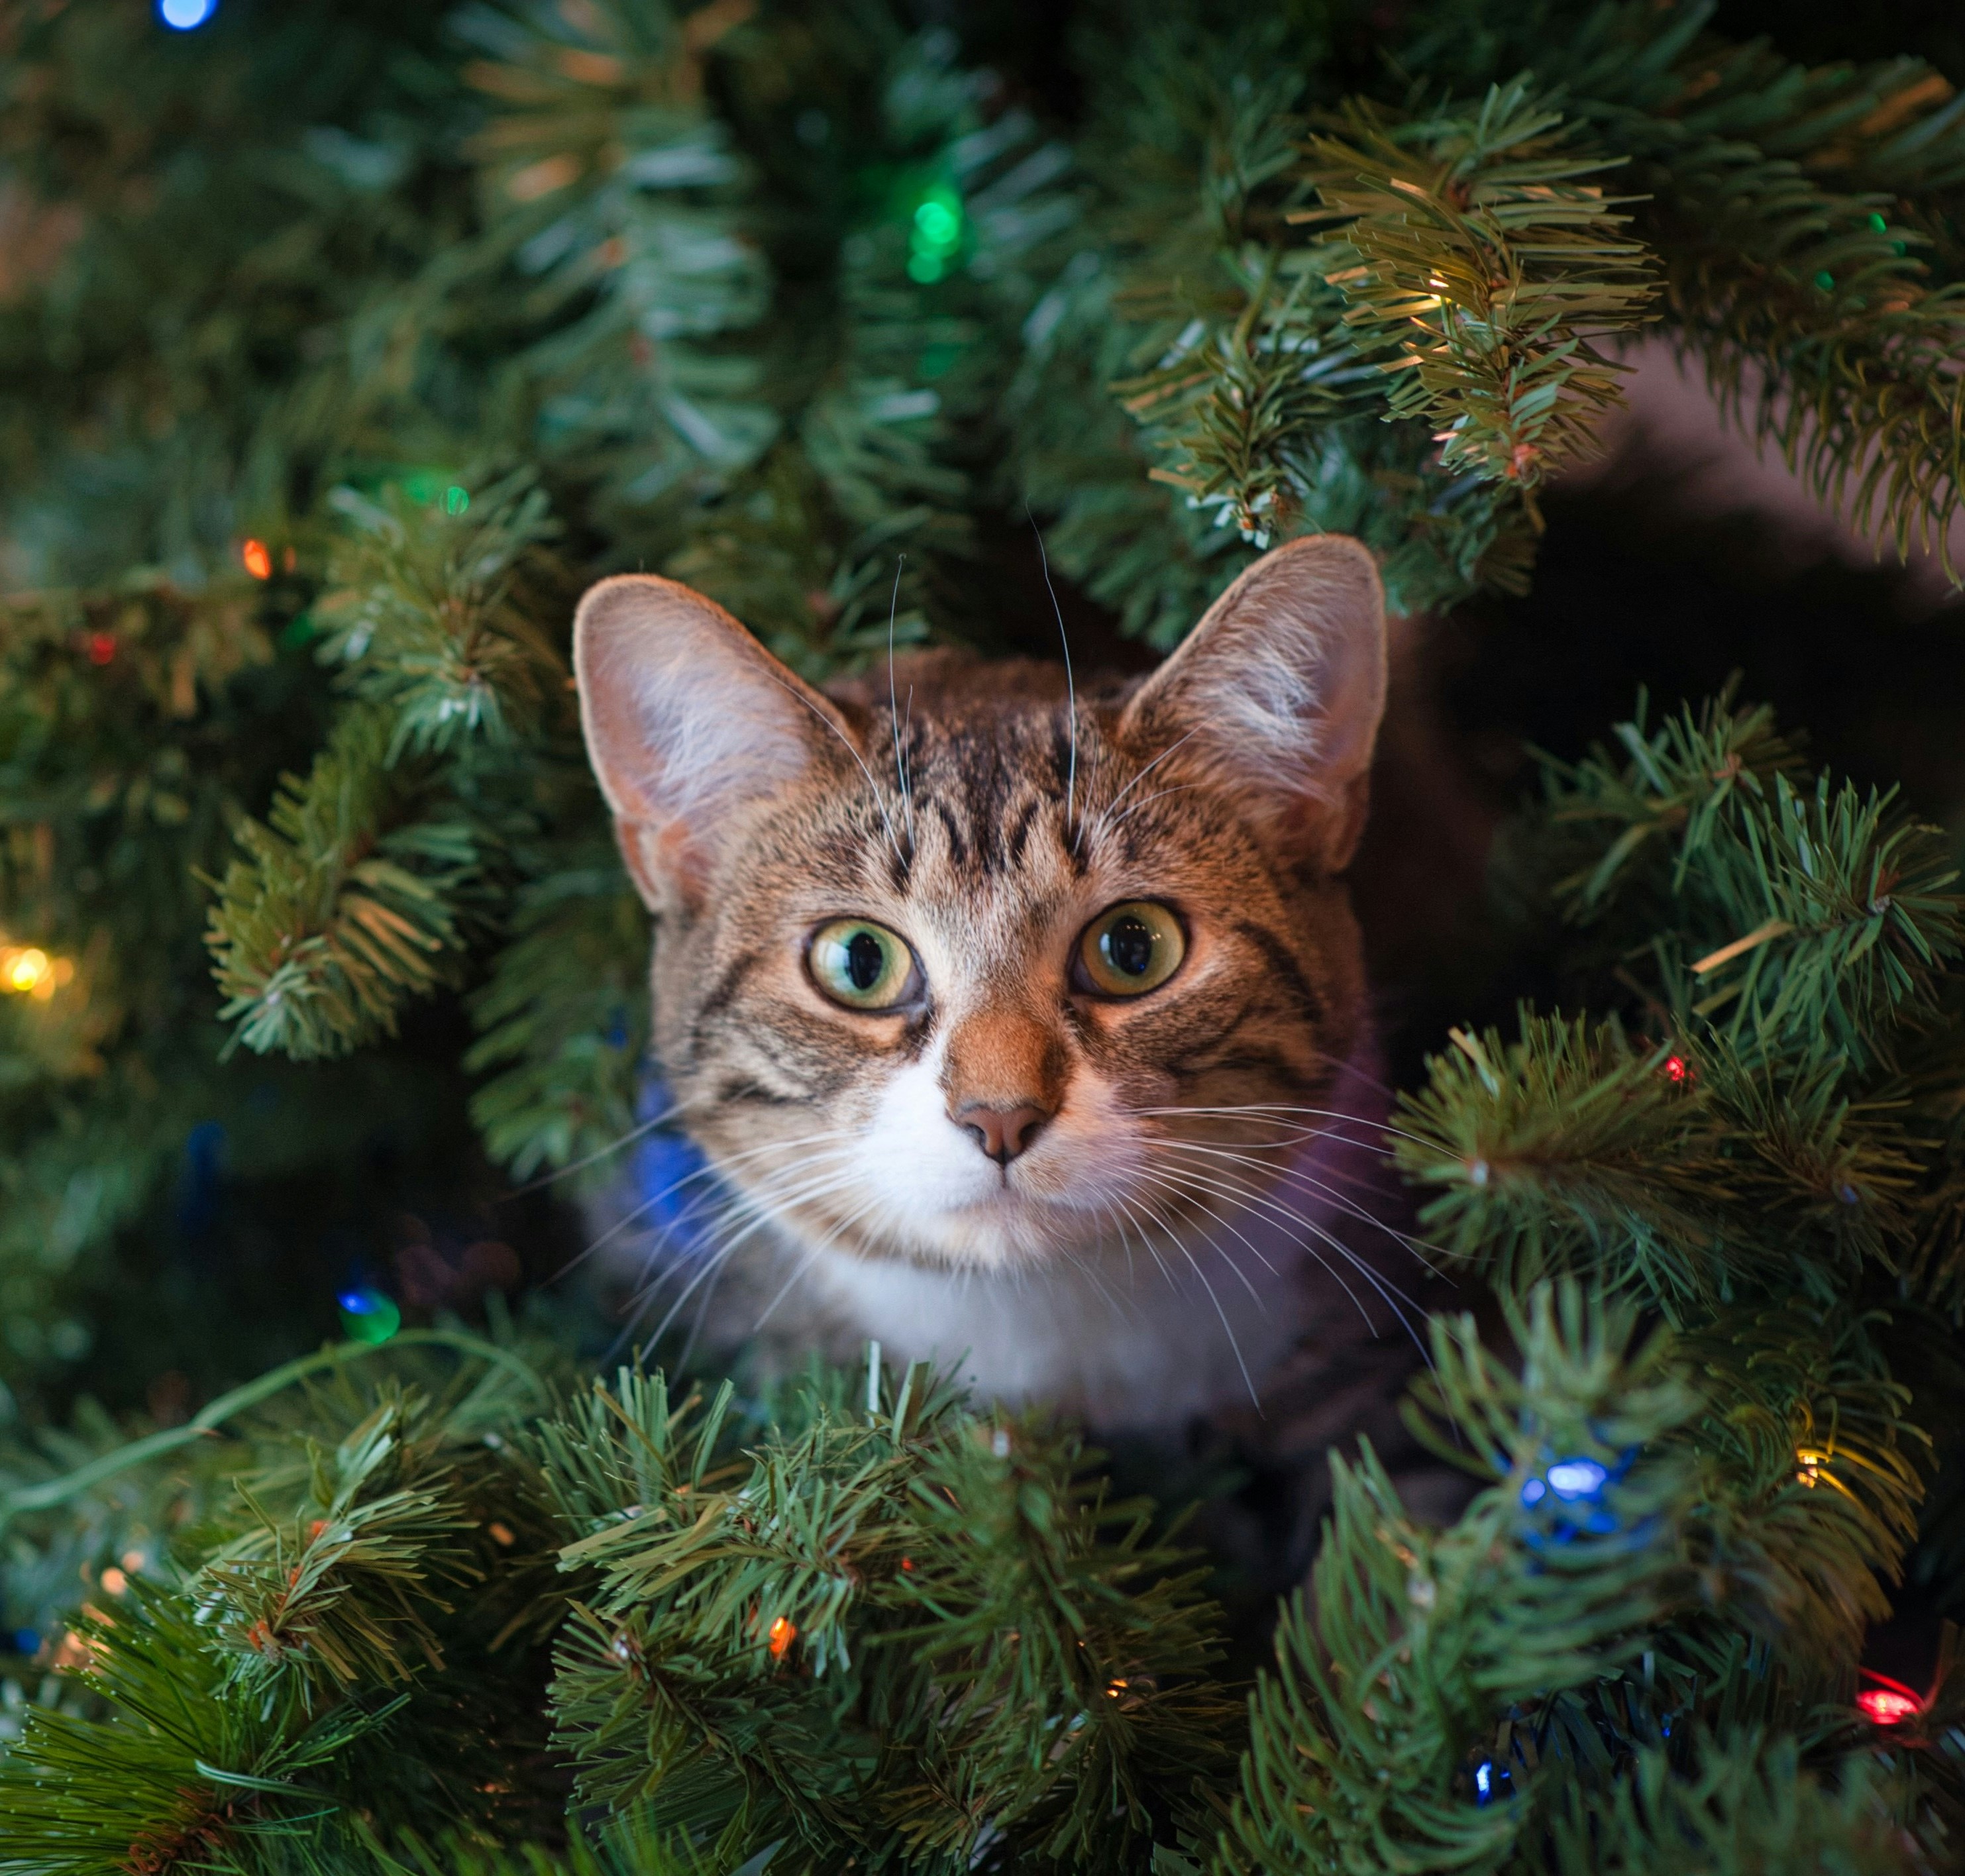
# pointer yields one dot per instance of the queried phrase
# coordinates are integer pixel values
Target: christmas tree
(341, 345)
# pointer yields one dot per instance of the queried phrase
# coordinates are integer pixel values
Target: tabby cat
(1021, 1026)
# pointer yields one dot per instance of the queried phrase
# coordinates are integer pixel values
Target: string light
(1572, 1494)
(185, 16)
(1573, 1479)
(367, 1316)
(27, 971)
(101, 646)
(935, 234)
(783, 1633)
(1888, 1703)
(258, 560)
(1810, 1464)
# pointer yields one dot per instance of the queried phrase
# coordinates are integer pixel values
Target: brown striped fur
(972, 808)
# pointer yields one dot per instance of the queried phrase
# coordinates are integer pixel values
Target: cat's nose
(1003, 1132)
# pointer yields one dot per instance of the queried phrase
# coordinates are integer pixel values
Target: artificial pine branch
(259, 280)
(1364, 1740)
(614, 197)
(1809, 918)
(899, 1633)
(563, 1017)
(1575, 1147)
(1792, 211)
(359, 893)
(340, 911)
(433, 610)
(1478, 247)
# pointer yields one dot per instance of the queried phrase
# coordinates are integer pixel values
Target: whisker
(706, 1171)
(1335, 1275)
(1174, 1231)
(1147, 801)
(633, 1133)
(1171, 1183)
(1228, 1327)
(1086, 1269)
(1105, 813)
(718, 1254)
(1388, 1292)
(1261, 1109)
(893, 704)
(1146, 1238)
(1301, 1177)
(1070, 688)
(812, 1257)
(880, 800)
(1125, 1242)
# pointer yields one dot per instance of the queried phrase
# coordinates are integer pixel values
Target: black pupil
(1128, 945)
(866, 959)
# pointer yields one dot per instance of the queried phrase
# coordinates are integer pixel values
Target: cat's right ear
(689, 720)
(1278, 692)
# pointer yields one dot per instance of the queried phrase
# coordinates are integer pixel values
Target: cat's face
(1004, 981)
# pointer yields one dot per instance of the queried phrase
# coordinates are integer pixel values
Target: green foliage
(250, 1680)
(889, 1628)
(800, 310)
(1556, 1681)
(360, 893)
(897, 1632)
(340, 344)
(1412, 1641)
(341, 907)
(1815, 916)
(1482, 257)
(1791, 939)
(1749, 1805)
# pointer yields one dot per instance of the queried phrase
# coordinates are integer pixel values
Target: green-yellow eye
(863, 965)
(1131, 948)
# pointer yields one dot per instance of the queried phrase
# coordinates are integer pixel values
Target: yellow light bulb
(25, 969)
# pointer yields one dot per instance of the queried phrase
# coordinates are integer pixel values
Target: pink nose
(1002, 1132)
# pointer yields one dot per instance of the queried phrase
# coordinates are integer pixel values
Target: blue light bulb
(1577, 1478)
(183, 16)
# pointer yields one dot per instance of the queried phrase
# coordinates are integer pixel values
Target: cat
(1021, 1026)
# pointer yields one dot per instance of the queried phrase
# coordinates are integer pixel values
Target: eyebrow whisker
(1105, 814)
(894, 707)
(1070, 688)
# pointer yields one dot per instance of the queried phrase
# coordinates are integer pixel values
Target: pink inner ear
(1279, 690)
(688, 720)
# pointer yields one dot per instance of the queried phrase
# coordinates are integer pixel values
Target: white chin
(1001, 1229)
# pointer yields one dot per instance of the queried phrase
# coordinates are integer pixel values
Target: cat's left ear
(1277, 694)
(689, 723)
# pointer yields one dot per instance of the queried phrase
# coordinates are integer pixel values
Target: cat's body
(1021, 1028)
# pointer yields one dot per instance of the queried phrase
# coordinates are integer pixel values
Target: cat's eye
(862, 964)
(1131, 948)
